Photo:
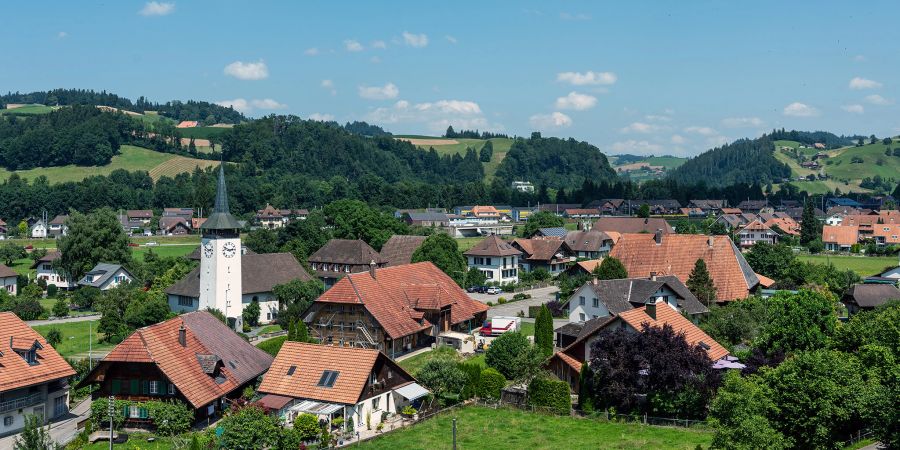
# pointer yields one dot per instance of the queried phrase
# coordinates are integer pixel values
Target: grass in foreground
(509, 428)
(865, 266)
(138, 441)
(75, 337)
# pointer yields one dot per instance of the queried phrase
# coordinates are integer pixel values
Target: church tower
(220, 260)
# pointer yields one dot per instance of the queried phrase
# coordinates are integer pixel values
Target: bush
(272, 346)
(473, 379)
(28, 308)
(491, 383)
(54, 337)
(170, 417)
(307, 425)
(501, 300)
(442, 376)
(61, 308)
(505, 353)
(52, 290)
(549, 393)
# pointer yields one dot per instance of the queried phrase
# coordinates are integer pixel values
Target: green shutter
(145, 387)
(116, 387)
(163, 387)
(125, 411)
(135, 387)
(144, 414)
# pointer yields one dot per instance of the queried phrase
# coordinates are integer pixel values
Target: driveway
(63, 429)
(538, 297)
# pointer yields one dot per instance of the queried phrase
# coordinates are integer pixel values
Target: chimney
(594, 281)
(182, 335)
(711, 241)
(658, 236)
(372, 268)
(650, 309)
(652, 276)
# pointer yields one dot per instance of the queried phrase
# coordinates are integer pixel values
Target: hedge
(473, 380)
(549, 393)
(169, 417)
(272, 346)
(492, 382)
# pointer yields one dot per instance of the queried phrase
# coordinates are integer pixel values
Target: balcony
(19, 403)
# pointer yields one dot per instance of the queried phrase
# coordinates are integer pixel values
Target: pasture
(27, 110)
(865, 266)
(444, 146)
(77, 338)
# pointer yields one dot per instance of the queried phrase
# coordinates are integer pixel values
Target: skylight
(328, 378)
(291, 370)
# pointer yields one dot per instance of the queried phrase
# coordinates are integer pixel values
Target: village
(355, 342)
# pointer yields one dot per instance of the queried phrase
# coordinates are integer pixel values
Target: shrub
(52, 290)
(442, 376)
(54, 337)
(489, 304)
(505, 353)
(28, 308)
(170, 417)
(501, 300)
(491, 383)
(272, 346)
(549, 393)
(473, 379)
(61, 308)
(308, 426)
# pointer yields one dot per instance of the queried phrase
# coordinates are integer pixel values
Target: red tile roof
(492, 246)
(354, 365)
(205, 335)
(394, 295)
(15, 372)
(676, 255)
(890, 233)
(666, 315)
(841, 235)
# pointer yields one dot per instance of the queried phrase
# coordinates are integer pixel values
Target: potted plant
(379, 427)
(408, 412)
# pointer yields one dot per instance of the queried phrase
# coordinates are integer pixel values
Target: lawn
(168, 240)
(138, 441)
(75, 338)
(269, 329)
(467, 242)
(165, 251)
(415, 363)
(202, 132)
(669, 162)
(479, 427)
(27, 110)
(863, 265)
(875, 162)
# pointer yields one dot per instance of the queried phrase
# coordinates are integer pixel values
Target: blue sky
(640, 77)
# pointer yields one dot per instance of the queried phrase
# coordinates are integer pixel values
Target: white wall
(8, 284)
(494, 269)
(389, 401)
(51, 277)
(268, 305)
(111, 283)
(576, 309)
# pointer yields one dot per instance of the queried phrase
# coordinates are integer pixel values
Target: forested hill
(204, 112)
(554, 163)
(745, 161)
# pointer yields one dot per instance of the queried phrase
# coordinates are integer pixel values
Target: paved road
(62, 430)
(538, 296)
(32, 323)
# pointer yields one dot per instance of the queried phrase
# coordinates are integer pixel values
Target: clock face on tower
(229, 249)
(208, 250)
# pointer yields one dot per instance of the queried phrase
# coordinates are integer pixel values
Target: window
(171, 389)
(328, 378)
(581, 317)
(376, 402)
(596, 302)
(134, 412)
(581, 300)
(7, 421)
(116, 387)
(154, 387)
(185, 301)
(291, 370)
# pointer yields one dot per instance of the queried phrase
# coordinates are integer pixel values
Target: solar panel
(291, 370)
(328, 378)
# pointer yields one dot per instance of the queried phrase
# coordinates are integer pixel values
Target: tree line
(743, 161)
(472, 134)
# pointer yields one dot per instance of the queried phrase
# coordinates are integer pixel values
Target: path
(33, 323)
(538, 297)
(63, 429)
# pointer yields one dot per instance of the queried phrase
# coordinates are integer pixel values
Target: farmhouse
(393, 309)
(8, 279)
(631, 225)
(356, 384)
(676, 254)
(46, 271)
(497, 259)
(175, 225)
(33, 377)
(106, 276)
(339, 257)
(398, 250)
(142, 216)
(193, 358)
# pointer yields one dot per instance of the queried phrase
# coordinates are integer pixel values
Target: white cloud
(329, 85)
(854, 109)
(157, 9)
(798, 109)
(864, 83)
(586, 78)
(379, 44)
(635, 147)
(643, 128)
(321, 117)
(657, 118)
(742, 122)
(246, 106)
(415, 40)
(248, 71)
(859, 58)
(576, 101)
(553, 121)
(450, 39)
(570, 16)
(386, 92)
(703, 131)
(435, 116)
(62, 35)
(312, 51)
(876, 99)
(678, 139)
(353, 46)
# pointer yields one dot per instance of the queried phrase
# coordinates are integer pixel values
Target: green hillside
(27, 110)
(131, 158)
(643, 168)
(202, 132)
(845, 167)
(459, 146)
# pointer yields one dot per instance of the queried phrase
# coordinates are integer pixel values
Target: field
(865, 266)
(467, 242)
(843, 172)
(164, 251)
(479, 427)
(634, 167)
(27, 110)
(130, 158)
(75, 338)
(446, 146)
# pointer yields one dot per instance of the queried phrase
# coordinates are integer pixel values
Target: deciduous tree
(92, 238)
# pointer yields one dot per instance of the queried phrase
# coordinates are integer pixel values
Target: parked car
(494, 290)
(472, 289)
(151, 244)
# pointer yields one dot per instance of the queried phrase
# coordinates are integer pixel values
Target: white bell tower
(220, 260)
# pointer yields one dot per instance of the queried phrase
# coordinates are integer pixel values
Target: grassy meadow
(27, 110)
(865, 266)
(501, 148)
(75, 338)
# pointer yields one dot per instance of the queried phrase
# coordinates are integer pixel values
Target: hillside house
(523, 186)
(676, 254)
(610, 206)
(39, 229)
(393, 309)
(8, 279)
(839, 238)
(187, 124)
(398, 249)
(175, 225)
(497, 259)
(193, 358)
(58, 226)
(106, 276)
(360, 385)
(141, 216)
(33, 377)
(339, 257)
(45, 270)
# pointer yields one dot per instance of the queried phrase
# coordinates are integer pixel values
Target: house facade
(839, 238)
(58, 226)
(756, 231)
(550, 254)
(339, 257)
(393, 309)
(45, 270)
(193, 358)
(605, 298)
(106, 276)
(359, 385)
(33, 377)
(8, 279)
(38, 229)
(589, 244)
(497, 259)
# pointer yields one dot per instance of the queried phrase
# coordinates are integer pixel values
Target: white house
(58, 226)
(33, 377)
(8, 279)
(106, 276)
(358, 384)
(45, 271)
(497, 259)
(39, 229)
(603, 298)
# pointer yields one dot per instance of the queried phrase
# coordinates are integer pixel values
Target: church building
(228, 280)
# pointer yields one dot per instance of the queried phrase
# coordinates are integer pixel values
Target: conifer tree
(701, 284)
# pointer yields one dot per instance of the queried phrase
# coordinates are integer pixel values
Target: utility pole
(111, 409)
(454, 434)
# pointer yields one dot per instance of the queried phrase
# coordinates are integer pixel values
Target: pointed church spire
(221, 192)
(221, 218)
